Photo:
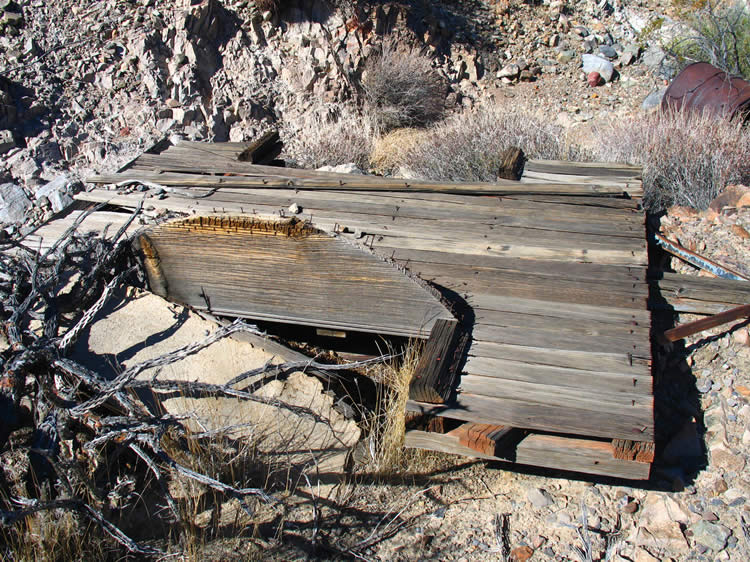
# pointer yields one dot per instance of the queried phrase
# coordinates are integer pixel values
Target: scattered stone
(592, 63)
(643, 555)
(510, 71)
(594, 79)
(521, 553)
(711, 535)
(13, 203)
(539, 497)
(7, 141)
(608, 52)
(295, 209)
(653, 100)
(57, 192)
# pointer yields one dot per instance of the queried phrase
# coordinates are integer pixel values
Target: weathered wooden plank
(548, 451)
(263, 150)
(578, 455)
(435, 373)
(564, 340)
(289, 272)
(567, 377)
(560, 418)
(595, 397)
(584, 360)
(174, 174)
(487, 306)
(479, 280)
(583, 271)
(698, 295)
(605, 169)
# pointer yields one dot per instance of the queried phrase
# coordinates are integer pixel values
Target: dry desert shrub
(340, 136)
(468, 146)
(687, 157)
(402, 89)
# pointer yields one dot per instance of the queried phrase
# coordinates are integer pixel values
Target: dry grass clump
(687, 157)
(468, 146)
(387, 153)
(402, 89)
(387, 425)
(340, 136)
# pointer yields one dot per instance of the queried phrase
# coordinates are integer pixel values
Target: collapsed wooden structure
(531, 295)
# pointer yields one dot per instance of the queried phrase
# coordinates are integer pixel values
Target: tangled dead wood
(73, 424)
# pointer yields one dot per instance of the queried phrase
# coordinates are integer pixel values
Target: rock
(7, 141)
(643, 555)
(350, 168)
(732, 196)
(668, 535)
(539, 497)
(137, 325)
(510, 71)
(608, 52)
(711, 535)
(592, 63)
(295, 209)
(564, 57)
(594, 79)
(13, 203)
(57, 192)
(521, 554)
(738, 230)
(653, 100)
(723, 457)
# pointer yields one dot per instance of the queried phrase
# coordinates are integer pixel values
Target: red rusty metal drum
(702, 86)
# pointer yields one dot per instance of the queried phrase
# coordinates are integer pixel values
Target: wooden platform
(547, 277)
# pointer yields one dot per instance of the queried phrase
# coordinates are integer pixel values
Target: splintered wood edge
(290, 227)
(640, 451)
(157, 282)
(435, 372)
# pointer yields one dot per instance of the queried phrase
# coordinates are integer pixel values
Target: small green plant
(717, 32)
(402, 89)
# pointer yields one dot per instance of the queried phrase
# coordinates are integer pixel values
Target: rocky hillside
(88, 85)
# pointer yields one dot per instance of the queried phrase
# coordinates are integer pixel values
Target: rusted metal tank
(702, 86)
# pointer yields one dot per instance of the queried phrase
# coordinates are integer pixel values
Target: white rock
(350, 168)
(592, 63)
(56, 192)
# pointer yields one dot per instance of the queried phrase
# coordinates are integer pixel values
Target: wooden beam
(264, 150)
(690, 328)
(353, 183)
(484, 438)
(436, 371)
(549, 451)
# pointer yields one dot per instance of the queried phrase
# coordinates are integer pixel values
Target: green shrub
(718, 33)
(687, 157)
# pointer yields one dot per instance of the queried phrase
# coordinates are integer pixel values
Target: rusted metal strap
(697, 260)
(691, 328)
